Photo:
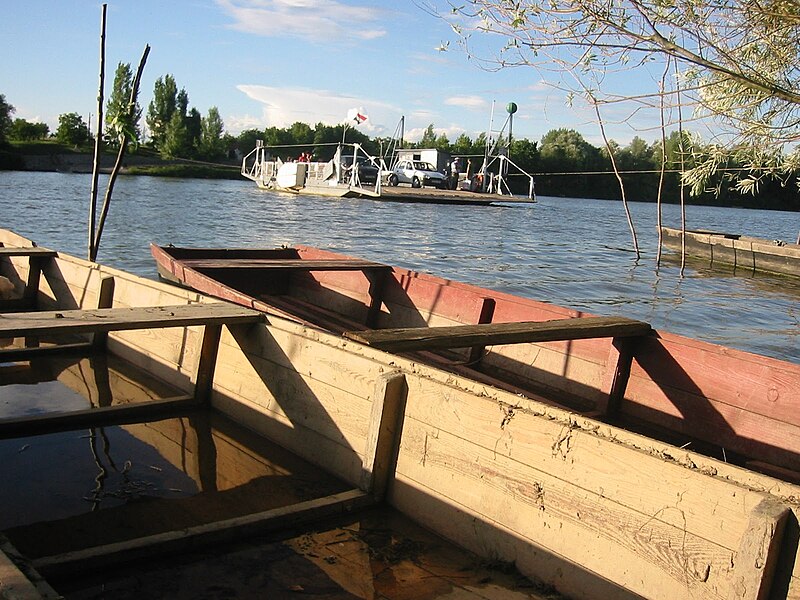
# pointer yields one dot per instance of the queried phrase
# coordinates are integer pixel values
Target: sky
(274, 62)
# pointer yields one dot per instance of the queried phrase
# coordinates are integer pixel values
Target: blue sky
(273, 62)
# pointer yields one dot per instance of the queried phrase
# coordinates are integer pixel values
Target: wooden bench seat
(29, 251)
(283, 263)
(489, 334)
(103, 320)
(624, 333)
(120, 319)
(37, 257)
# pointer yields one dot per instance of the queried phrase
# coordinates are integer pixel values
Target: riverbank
(57, 158)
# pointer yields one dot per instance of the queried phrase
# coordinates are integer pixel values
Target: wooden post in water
(123, 146)
(97, 136)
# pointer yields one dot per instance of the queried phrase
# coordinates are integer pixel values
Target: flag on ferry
(356, 114)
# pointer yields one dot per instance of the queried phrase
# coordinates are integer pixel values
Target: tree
(736, 62)
(525, 153)
(6, 110)
(176, 143)
(564, 149)
(211, 141)
(26, 131)
(194, 130)
(120, 119)
(72, 130)
(301, 133)
(161, 108)
(428, 138)
(462, 145)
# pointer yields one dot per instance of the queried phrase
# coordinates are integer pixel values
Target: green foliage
(72, 130)
(6, 110)
(194, 130)
(26, 131)
(176, 143)
(733, 63)
(566, 148)
(122, 120)
(428, 138)
(301, 133)
(212, 145)
(161, 108)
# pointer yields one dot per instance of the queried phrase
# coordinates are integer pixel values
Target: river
(570, 252)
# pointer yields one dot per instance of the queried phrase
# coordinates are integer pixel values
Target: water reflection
(77, 489)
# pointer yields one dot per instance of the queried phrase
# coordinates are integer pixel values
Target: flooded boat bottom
(377, 554)
(72, 492)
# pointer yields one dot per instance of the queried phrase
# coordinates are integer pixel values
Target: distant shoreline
(133, 164)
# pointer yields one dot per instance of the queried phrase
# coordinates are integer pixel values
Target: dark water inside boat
(76, 489)
(565, 251)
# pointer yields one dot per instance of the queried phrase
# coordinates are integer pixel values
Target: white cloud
(471, 102)
(285, 106)
(313, 20)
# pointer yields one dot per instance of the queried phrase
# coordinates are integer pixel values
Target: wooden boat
(738, 251)
(587, 507)
(732, 404)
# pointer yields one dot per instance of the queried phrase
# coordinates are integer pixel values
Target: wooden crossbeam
(31, 251)
(283, 263)
(489, 334)
(103, 416)
(122, 319)
(191, 538)
(20, 354)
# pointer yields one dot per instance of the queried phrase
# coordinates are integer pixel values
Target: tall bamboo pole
(98, 135)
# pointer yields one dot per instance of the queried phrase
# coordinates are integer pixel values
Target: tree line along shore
(184, 143)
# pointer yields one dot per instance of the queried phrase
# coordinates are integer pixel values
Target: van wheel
(415, 182)
(393, 180)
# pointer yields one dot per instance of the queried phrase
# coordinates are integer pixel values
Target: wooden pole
(123, 146)
(98, 136)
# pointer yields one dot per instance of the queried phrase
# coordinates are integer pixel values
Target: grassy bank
(184, 170)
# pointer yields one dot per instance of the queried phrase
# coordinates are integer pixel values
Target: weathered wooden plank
(105, 299)
(651, 557)
(18, 354)
(460, 336)
(383, 436)
(584, 455)
(719, 373)
(18, 579)
(121, 319)
(207, 362)
(32, 251)
(285, 263)
(317, 401)
(95, 417)
(618, 371)
(191, 538)
(758, 553)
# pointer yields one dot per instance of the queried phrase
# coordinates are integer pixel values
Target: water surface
(569, 252)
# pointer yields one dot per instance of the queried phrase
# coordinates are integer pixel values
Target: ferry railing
(502, 176)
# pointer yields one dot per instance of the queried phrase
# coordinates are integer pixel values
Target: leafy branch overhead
(735, 62)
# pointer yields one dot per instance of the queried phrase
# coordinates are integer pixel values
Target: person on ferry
(454, 169)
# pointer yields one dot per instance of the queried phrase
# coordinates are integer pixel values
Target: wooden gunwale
(738, 251)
